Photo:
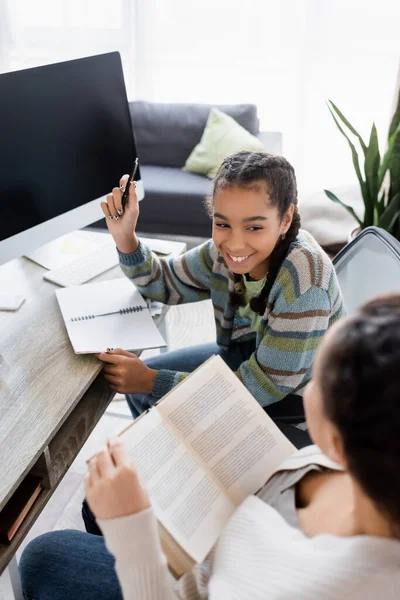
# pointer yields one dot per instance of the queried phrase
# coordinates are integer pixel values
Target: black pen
(125, 195)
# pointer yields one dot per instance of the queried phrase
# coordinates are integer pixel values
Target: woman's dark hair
(360, 374)
(249, 170)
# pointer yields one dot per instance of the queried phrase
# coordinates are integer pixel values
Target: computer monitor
(66, 138)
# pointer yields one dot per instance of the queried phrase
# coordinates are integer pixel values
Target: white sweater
(258, 556)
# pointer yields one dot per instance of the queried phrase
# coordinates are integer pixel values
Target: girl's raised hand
(121, 222)
(112, 486)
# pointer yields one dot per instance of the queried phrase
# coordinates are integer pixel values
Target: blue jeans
(187, 360)
(72, 565)
(68, 565)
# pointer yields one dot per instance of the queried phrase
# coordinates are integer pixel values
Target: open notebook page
(131, 331)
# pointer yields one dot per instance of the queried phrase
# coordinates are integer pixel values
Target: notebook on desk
(110, 314)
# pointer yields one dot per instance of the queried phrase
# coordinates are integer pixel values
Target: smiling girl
(273, 289)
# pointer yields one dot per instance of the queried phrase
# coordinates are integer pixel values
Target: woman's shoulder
(308, 263)
(355, 567)
(309, 455)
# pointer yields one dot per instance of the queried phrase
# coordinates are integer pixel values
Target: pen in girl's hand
(125, 194)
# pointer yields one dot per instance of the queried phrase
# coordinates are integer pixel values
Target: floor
(187, 325)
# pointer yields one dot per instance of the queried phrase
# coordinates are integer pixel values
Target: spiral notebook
(110, 314)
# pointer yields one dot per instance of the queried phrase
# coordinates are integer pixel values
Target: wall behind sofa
(288, 57)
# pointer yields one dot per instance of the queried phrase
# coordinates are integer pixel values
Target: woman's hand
(121, 222)
(126, 373)
(112, 485)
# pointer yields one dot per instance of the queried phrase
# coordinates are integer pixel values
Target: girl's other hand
(122, 223)
(125, 373)
(112, 486)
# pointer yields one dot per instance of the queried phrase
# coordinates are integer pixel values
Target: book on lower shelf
(109, 314)
(17, 508)
(200, 452)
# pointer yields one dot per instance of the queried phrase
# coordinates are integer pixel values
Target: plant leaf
(390, 214)
(394, 168)
(363, 185)
(396, 231)
(387, 157)
(376, 215)
(334, 198)
(371, 168)
(395, 119)
(380, 205)
(393, 227)
(349, 126)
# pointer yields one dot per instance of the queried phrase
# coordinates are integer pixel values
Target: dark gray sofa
(165, 135)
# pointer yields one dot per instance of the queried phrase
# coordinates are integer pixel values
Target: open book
(199, 452)
(109, 314)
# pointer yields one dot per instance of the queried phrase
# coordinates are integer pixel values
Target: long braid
(275, 261)
(237, 298)
(248, 169)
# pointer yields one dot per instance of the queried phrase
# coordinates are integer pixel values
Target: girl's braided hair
(250, 169)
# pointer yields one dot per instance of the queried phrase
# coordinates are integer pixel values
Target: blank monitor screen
(66, 138)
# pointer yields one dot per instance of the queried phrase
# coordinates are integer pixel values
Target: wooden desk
(50, 398)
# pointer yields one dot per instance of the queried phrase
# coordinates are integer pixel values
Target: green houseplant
(378, 176)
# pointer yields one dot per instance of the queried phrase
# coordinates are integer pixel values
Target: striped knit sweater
(258, 557)
(304, 301)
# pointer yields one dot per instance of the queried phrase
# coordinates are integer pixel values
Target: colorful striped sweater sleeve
(178, 280)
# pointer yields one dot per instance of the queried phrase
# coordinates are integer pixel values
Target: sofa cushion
(174, 202)
(222, 136)
(167, 133)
